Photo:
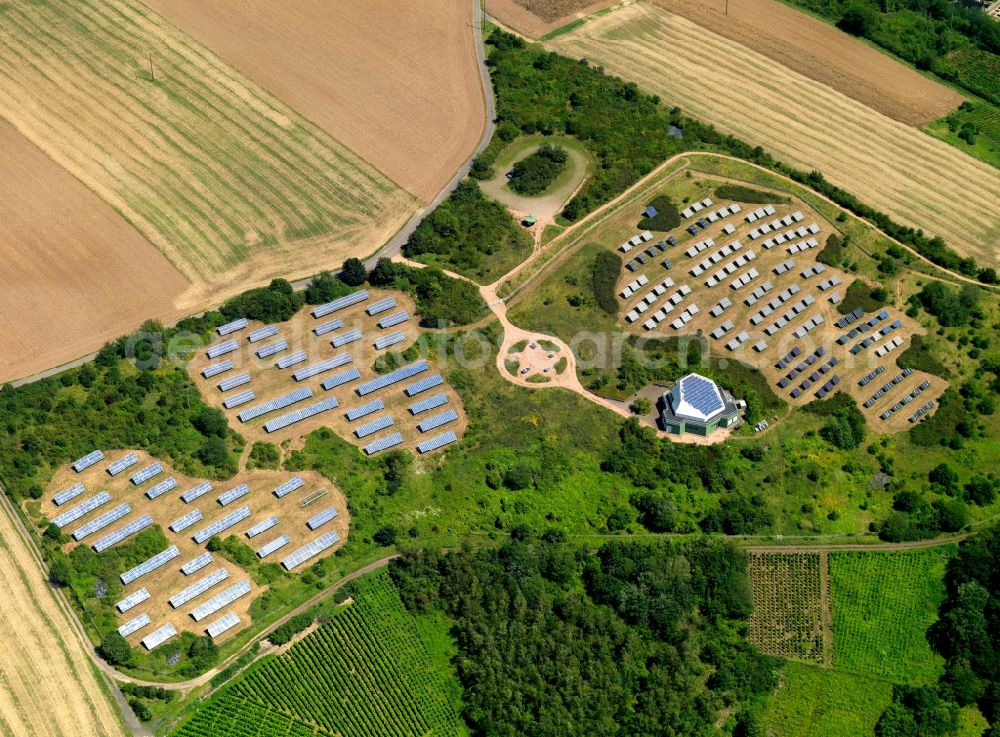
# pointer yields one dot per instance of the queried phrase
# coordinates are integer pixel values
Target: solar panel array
(381, 444)
(185, 521)
(428, 382)
(196, 564)
(198, 588)
(161, 488)
(275, 404)
(318, 520)
(381, 306)
(369, 428)
(428, 404)
(328, 327)
(262, 526)
(701, 394)
(356, 413)
(295, 482)
(158, 637)
(341, 303)
(222, 624)
(310, 550)
(224, 598)
(232, 327)
(221, 349)
(339, 379)
(391, 339)
(132, 600)
(436, 421)
(83, 508)
(260, 333)
(393, 377)
(291, 359)
(68, 494)
(437, 442)
(275, 544)
(141, 477)
(113, 538)
(233, 494)
(300, 414)
(222, 524)
(271, 348)
(196, 491)
(238, 400)
(134, 625)
(318, 368)
(122, 463)
(347, 337)
(394, 319)
(234, 381)
(217, 368)
(99, 523)
(152, 564)
(88, 460)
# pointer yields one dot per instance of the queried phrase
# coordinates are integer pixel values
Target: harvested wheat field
(74, 273)
(45, 657)
(535, 18)
(914, 178)
(824, 53)
(233, 186)
(396, 81)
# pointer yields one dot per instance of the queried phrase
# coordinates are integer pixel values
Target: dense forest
(534, 174)
(640, 640)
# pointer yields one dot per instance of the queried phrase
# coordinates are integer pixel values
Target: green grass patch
(607, 266)
(863, 295)
(667, 215)
(518, 346)
(920, 357)
(534, 174)
(811, 702)
(548, 345)
(882, 605)
(561, 365)
(538, 379)
(749, 195)
(512, 366)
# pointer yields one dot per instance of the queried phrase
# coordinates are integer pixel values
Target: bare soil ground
(891, 166)
(75, 274)
(169, 580)
(48, 685)
(232, 185)
(394, 80)
(821, 52)
(535, 18)
(269, 382)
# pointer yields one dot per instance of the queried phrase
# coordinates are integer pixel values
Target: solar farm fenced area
(746, 278)
(291, 520)
(318, 369)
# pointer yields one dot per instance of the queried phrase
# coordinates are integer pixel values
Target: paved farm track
(915, 178)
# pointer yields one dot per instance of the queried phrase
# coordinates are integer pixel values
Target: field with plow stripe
(914, 178)
(228, 182)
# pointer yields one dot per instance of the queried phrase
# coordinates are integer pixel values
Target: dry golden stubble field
(824, 53)
(899, 170)
(75, 274)
(396, 81)
(48, 684)
(231, 184)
